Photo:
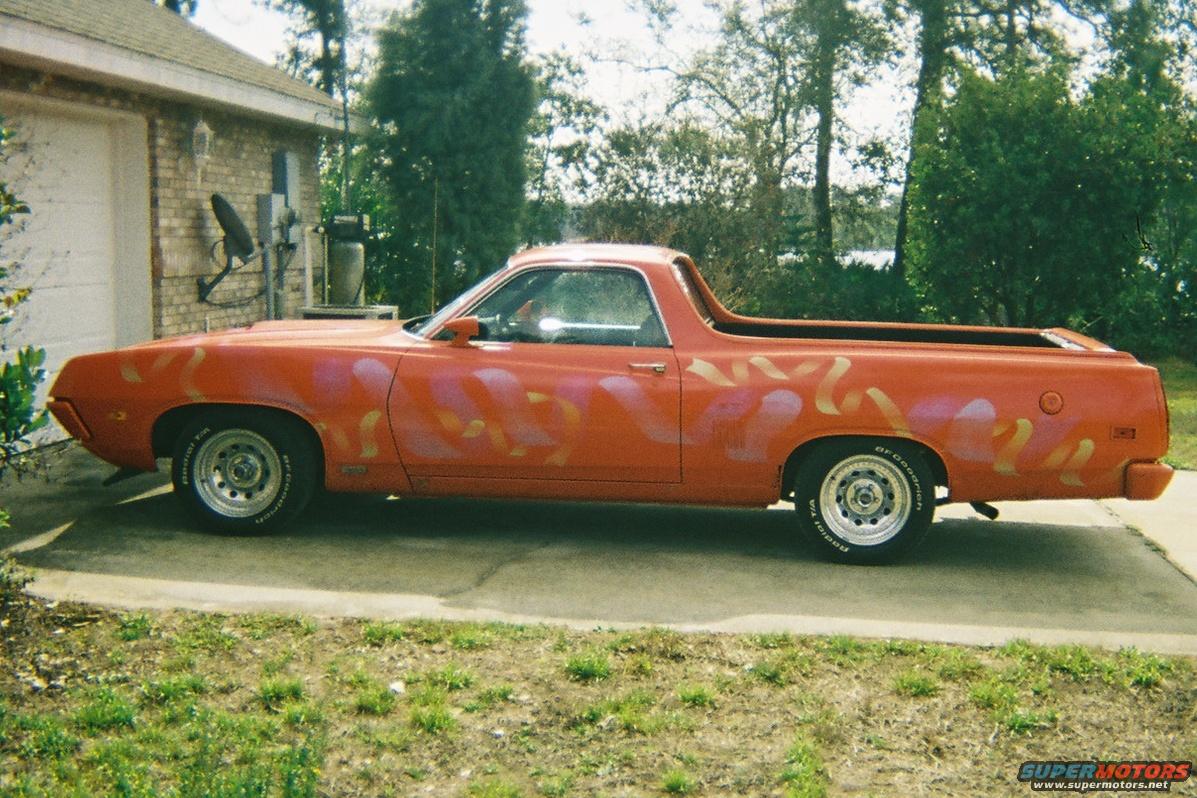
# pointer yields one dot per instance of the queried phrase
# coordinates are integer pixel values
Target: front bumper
(69, 418)
(1146, 480)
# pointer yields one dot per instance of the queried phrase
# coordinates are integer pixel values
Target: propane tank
(347, 259)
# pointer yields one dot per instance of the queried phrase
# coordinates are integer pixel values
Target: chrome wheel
(865, 499)
(237, 473)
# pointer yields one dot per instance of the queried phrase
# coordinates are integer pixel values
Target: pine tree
(451, 103)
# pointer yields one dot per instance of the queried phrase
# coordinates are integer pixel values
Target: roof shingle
(142, 27)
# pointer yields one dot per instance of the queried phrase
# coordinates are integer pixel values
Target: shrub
(19, 377)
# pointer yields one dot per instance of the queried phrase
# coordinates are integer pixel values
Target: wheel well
(934, 461)
(171, 424)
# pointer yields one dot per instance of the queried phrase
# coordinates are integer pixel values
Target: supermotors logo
(1065, 776)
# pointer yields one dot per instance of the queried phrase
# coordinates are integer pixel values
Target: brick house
(127, 118)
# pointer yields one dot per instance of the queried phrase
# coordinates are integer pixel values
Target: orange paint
(709, 419)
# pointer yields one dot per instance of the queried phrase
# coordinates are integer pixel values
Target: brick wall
(183, 228)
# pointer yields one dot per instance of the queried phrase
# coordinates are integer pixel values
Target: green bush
(19, 377)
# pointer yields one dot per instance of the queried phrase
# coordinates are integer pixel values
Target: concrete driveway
(1053, 572)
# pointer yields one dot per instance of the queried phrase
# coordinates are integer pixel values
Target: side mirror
(463, 330)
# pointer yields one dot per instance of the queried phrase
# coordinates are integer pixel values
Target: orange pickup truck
(611, 373)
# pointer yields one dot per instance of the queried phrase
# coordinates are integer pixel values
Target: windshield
(445, 313)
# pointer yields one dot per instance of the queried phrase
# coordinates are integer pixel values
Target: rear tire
(865, 500)
(245, 471)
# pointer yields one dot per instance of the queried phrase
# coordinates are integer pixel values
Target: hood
(316, 333)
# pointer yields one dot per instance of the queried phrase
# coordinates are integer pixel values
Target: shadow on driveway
(630, 563)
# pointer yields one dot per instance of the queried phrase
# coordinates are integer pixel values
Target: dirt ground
(95, 702)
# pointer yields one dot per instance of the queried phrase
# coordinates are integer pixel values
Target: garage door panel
(63, 170)
(78, 313)
(67, 269)
(63, 166)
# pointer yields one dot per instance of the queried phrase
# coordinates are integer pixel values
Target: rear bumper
(1146, 480)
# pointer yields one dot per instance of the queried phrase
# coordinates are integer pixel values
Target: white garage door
(67, 247)
(82, 250)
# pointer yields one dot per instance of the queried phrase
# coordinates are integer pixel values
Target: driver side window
(596, 306)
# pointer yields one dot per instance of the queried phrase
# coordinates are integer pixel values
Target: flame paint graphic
(823, 395)
(1005, 463)
(187, 376)
(777, 411)
(631, 397)
(573, 423)
(1071, 475)
(366, 430)
(339, 438)
(510, 398)
(129, 368)
(710, 372)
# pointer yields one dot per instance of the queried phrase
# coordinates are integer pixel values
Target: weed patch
(274, 692)
(915, 684)
(589, 666)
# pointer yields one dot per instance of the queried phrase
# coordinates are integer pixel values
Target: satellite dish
(238, 243)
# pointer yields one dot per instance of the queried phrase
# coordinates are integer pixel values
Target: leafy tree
(316, 49)
(1139, 99)
(749, 87)
(20, 375)
(844, 42)
(686, 187)
(451, 102)
(1024, 211)
(991, 35)
(932, 50)
(561, 138)
(183, 7)
(773, 79)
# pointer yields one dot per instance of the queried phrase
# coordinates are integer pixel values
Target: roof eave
(35, 46)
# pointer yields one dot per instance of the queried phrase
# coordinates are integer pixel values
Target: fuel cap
(1051, 403)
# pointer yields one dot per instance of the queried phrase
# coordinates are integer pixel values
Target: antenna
(436, 191)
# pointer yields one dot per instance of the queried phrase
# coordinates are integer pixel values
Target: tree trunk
(1011, 31)
(932, 60)
(824, 99)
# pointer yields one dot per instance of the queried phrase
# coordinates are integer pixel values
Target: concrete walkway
(1169, 522)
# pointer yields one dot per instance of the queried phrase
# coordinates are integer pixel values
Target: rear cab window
(690, 289)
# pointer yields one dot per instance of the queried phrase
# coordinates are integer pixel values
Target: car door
(572, 378)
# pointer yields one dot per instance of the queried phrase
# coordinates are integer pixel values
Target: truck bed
(922, 334)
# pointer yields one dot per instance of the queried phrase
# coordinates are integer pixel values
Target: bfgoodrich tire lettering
(245, 471)
(864, 500)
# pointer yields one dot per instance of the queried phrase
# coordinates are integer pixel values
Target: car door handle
(658, 368)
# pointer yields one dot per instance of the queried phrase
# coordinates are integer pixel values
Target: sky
(612, 32)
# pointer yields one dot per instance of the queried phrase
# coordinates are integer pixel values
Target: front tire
(865, 500)
(245, 471)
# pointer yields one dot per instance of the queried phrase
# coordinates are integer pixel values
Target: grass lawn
(1180, 386)
(188, 704)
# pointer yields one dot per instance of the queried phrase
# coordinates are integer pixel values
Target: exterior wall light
(201, 145)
